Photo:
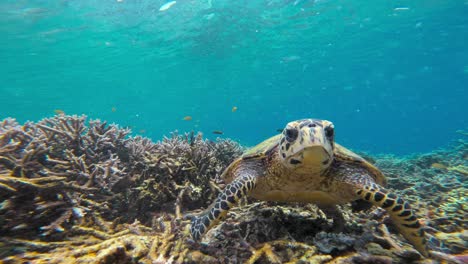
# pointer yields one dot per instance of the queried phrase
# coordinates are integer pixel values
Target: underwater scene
(247, 131)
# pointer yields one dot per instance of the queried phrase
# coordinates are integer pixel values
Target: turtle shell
(342, 154)
(258, 152)
(262, 149)
(347, 156)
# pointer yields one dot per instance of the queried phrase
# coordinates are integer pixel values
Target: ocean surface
(391, 75)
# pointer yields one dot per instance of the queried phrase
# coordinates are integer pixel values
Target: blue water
(391, 75)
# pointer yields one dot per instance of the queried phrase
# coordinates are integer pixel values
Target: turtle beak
(316, 157)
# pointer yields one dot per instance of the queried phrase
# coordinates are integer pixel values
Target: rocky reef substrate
(79, 191)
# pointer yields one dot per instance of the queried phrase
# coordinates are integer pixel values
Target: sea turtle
(304, 164)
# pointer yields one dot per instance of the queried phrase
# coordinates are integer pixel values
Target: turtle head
(307, 145)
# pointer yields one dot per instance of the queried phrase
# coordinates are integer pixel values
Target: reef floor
(79, 191)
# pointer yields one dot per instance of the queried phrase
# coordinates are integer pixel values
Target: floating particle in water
(209, 16)
(113, 109)
(142, 131)
(59, 112)
(187, 118)
(234, 109)
(399, 77)
(167, 5)
(218, 132)
(425, 69)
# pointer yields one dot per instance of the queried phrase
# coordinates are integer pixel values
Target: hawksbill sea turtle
(304, 164)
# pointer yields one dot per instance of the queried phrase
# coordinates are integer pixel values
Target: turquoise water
(391, 75)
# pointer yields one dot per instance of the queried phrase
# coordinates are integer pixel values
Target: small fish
(187, 118)
(290, 58)
(113, 109)
(401, 8)
(437, 165)
(78, 212)
(279, 130)
(167, 5)
(218, 132)
(59, 112)
(20, 226)
(142, 131)
(234, 109)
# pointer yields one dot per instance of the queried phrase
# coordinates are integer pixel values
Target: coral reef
(80, 191)
(56, 171)
(59, 172)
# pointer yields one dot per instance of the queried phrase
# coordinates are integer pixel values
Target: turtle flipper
(399, 211)
(237, 189)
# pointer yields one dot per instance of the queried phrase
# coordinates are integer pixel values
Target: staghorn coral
(80, 192)
(180, 167)
(462, 169)
(63, 179)
(126, 243)
(55, 172)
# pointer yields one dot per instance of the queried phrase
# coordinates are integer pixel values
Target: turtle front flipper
(237, 189)
(400, 212)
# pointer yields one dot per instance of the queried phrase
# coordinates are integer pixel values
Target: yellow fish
(59, 112)
(234, 109)
(187, 118)
(438, 166)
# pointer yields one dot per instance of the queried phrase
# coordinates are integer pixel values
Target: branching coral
(79, 192)
(64, 172)
(180, 162)
(127, 243)
(462, 169)
(55, 171)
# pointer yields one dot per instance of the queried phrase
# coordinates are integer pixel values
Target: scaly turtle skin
(304, 164)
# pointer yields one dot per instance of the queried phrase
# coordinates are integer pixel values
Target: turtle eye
(329, 132)
(291, 134)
